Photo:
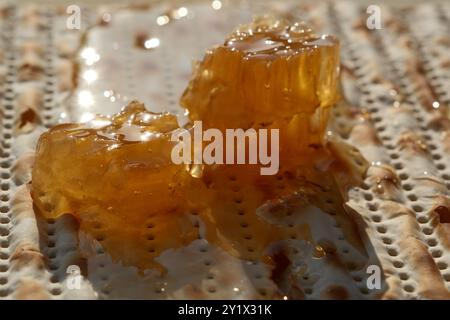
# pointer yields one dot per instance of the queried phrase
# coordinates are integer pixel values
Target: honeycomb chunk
(115, 175)
(268, 74)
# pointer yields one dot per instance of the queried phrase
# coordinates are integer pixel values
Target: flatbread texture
(396, 114)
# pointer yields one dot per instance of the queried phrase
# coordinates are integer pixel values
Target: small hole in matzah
(211, 289)
(262, 292)
(357, 278)
(403, 176)
(106, 291)
(394, 156)
(3, 281)
(351, 266)
(398, 264)
(398, 166)
(56, 292)
(210, 276)
(409, 288)
(427, 231)
(447, 277)
(441, 166)
(412, 197)
(436, 253)
(446, 176)
(159, 290)
(53, 266)
(364, 290)
(403, 276)
(368, 196)
(392, 252)
(407, 187)
(365, 186)
(432, 242)
(417, 208)
(442, 265)
(4, 209)
(372, 206)
(437, 156)
(376, 218)
(5, 175)
(207, 262)
(381, 229)
(422, 219)
(377, 119)
(4, 232)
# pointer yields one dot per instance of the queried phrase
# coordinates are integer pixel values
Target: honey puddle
(116, 177)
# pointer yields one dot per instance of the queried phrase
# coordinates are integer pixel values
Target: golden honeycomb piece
(268, 74)
(116, 176)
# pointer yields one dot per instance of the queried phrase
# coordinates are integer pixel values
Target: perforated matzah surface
(396, 80)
